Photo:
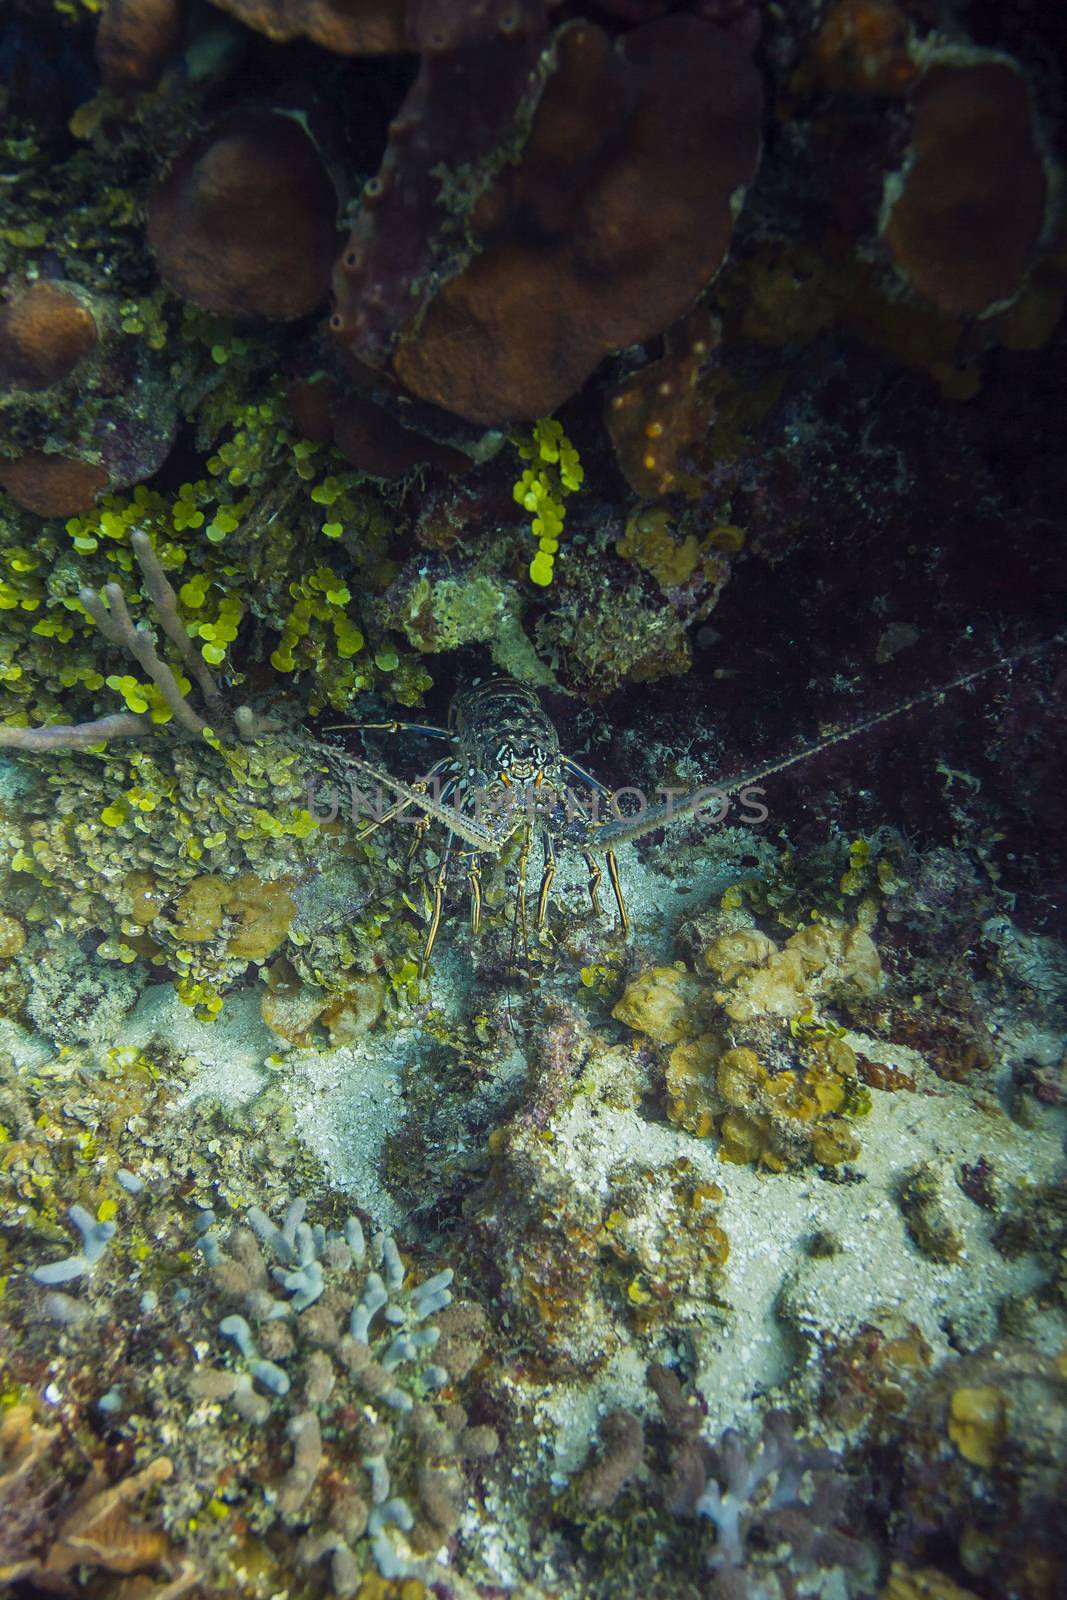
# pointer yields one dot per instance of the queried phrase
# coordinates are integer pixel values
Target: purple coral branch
(111, 615)
(113, 619)
(73, 735)
(166, 603)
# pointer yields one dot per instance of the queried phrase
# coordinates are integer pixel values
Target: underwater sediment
(533, 993)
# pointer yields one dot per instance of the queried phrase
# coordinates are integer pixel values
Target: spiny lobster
(505, 776)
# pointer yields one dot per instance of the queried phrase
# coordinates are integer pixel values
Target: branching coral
(752, 1496)
(323, 1387)
(774, 1501)
(386, 1350)
(165, 697)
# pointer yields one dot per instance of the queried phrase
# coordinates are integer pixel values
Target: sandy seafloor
(781, 1305)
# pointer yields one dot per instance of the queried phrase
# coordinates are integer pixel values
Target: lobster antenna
(626, 829)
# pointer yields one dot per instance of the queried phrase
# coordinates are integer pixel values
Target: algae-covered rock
(75, 999)
(930, 1225)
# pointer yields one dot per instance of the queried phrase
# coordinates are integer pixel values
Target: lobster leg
(524, 857)
(595, 873)
(435, 914)
(595, 876)
(613, 874)
(546, 878)
(474, 878)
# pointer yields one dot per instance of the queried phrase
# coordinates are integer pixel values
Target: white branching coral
(330, 1324)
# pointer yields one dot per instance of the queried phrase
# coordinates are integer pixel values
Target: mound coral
(367, 29)
(52, 485)
(243, 222)
(964, 218)
(134, 40)
(44, 333)
(576, 258)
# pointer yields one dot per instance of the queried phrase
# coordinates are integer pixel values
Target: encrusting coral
(660, 414)
(753, 1057)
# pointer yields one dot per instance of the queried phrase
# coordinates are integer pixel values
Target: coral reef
(561, 279)
(595, 1261)
(312, 1385)
(700, 366)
